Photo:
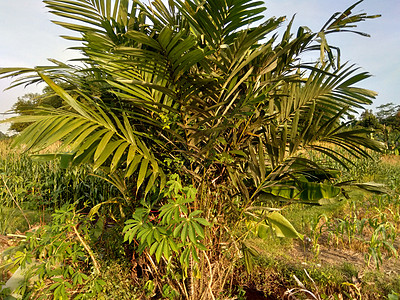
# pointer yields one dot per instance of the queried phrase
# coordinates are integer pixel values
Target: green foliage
(3, 136)
(382, 239)
(45, 185)
(56, 259)
(386, 121)
(307, 192)
(393, 296)
(369, 120)
(171, 230)
(388, 114)
(24, 105)
(27, 104)
(175, 108)
(196, 88)
(369, 219)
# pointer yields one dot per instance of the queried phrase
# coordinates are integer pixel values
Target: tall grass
(28, 185)
(366, 222)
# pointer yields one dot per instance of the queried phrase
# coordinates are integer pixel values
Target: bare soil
(336, 256)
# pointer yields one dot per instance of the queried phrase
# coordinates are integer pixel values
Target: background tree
(369, 120)
(24, 106)
(389, 114)
(29, 103)
(389, 118)
(385, 123)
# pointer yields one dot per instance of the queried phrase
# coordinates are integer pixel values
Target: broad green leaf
(312, 191)
(140, 37)
(142, 172)
(281, 226)
(160, 250)
(107, 152)
(118, 155)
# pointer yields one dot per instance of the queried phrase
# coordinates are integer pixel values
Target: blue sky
(378, 55)
(28, 38)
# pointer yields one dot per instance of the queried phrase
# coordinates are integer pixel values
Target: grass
(12, 220)
(351, 245)
(349, 251)
(40, 185)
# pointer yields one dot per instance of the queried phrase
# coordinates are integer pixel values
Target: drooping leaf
(282, 227)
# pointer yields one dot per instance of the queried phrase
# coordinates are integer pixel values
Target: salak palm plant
(209, 90)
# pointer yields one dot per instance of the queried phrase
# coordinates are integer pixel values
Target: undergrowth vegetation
(32, 187)
(193, 147)
(73, 255)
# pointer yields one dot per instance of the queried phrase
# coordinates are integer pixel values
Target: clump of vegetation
(199, 129)
(29, 187)
(386, 123)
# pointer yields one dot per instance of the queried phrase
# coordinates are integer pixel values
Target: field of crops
(192, 153)
(349, 250)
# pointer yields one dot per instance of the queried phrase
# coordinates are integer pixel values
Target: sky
(28, 39)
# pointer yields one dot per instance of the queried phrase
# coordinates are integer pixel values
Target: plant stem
(86, 246)
(16, 203)
(210, 281)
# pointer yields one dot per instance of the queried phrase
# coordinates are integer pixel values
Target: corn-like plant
(199, 89)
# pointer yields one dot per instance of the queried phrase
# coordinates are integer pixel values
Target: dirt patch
(339, 256)
(391, 159)
(5, 242)
(334, 256)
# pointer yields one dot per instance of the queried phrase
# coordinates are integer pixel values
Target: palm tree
(197, 88)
